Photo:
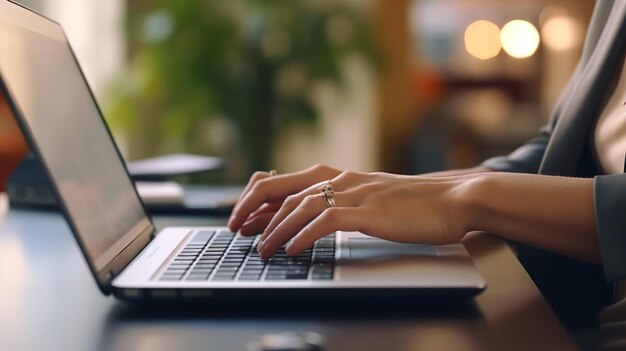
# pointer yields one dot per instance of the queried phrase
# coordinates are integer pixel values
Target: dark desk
(48, 301)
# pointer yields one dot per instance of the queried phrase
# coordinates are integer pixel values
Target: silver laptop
(55, 108)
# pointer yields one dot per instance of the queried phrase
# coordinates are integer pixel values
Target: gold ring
(329, 197)
(273, 172)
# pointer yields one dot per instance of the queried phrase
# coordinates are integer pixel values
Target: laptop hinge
(125, 257)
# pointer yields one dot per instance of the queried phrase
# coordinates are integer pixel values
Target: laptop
(129, 257)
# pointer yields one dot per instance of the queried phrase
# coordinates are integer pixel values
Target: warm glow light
(519, 38)
(561, 33)
(482, 39)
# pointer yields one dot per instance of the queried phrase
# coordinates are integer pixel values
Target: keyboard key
(250, 277)
(211, 262)
(234, 258)
(165, 278)
(259, 273)
(227, 269)
(211, 255)
(202, 237)
(171, 276)
(206, 272)
(230, 264)
(200, 265)
(223, 278)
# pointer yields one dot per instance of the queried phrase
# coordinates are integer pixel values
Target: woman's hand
(412, 209)
(549, 212)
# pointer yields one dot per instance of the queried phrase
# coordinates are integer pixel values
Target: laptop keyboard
(225, 256)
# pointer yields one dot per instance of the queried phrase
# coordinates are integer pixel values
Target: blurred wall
(348, 133)
(346, 136)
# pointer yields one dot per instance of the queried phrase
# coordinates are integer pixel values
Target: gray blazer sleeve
(527, 158)
(609, 194)
(609, 191)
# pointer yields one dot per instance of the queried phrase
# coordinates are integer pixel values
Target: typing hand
(412, 209)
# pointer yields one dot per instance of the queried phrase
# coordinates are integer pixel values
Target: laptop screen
(63, 122)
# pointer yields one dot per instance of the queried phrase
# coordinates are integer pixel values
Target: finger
(266, 208)
(293, 201)
(330, 221)
(349, 198)
(276, 188)
(290, 204)
(257, 224)
(253, 179)
(257, 176)
(311, 207)
(259, 219)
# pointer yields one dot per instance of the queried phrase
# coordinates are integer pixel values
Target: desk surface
(48, 300)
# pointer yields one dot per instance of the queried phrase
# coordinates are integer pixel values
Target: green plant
(248, 64)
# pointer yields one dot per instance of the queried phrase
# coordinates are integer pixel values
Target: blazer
(563, 147)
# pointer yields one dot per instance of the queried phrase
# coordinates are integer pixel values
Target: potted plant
(226, 77)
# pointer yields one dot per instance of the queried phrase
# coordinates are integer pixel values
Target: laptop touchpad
(368, 248)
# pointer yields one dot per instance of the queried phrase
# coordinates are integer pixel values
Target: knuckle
(291, 201)
(256, 175)
(373, 187)
(317, 166)
(258, 187)
(308, 200)
(349, 174)
(332, 214)
(360, 189)
(305, 232)
(320, 168)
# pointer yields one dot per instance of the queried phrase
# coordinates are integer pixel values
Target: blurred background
(405, 86)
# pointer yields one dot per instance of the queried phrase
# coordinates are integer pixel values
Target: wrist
(470, 196)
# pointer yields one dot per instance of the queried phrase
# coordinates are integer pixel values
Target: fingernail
(289, 248)
(232, 217)
(260, 246)
(246, 224)
(263, 235)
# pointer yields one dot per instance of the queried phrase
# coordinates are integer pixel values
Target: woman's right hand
(251, 221)
(254, 221)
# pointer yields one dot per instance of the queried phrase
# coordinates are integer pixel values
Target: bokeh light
(482, 39)
(519, 38)
(561, 33)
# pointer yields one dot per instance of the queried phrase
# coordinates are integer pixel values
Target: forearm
(552, 213)
(458, 172)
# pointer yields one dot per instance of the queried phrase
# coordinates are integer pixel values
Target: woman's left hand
(410, 209)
